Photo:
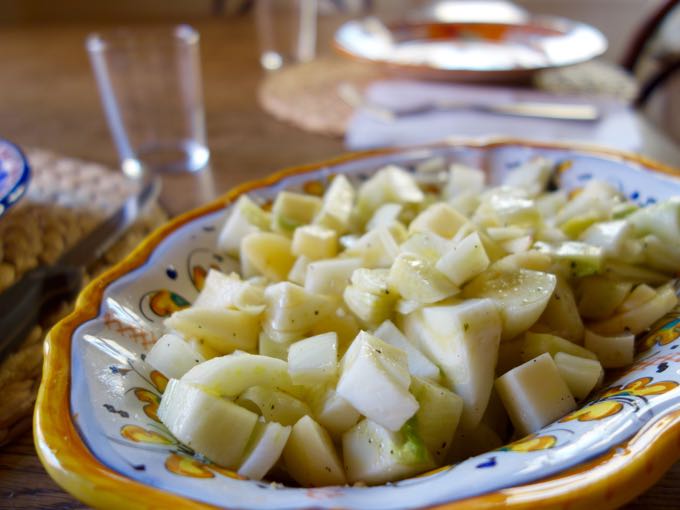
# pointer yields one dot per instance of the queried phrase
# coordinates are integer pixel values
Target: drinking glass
(149, 80)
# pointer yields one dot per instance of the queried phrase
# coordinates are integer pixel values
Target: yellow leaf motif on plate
(153, 401)
(531, 443)
(186, 466)
(663, 335)
(612, 400)
(139, 435)
(158, 380)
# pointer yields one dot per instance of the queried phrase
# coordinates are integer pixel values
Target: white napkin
(618, 127)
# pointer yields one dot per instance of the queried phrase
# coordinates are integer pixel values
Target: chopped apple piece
(201, 421)
(231, 375)
(521, 296)
(418, 364)
(291, 210)
(437, 417)
(613, 351)
(464, 261)
(334, 412)
(267, 254)
(535, 344)
(310, 456)
(314, 360)
(637, 320)
(330, 276)
(534, 394)
(439, 218)
(376, 248)
(223, 330)
(273, 405)
(416, 279)
(374, 454)
(336, 209)
(638, 297)
(390, 184)
(341, 322)
(298, 272)
(237, 226)
(315, 242)
(172, 356)
(375, 380)
(463, 340)
(580, 374)
(266, 448)
(561, 316)
(385, 216)
(292, 308)
(600, 296)
(221, 291)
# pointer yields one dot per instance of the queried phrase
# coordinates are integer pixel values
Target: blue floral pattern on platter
(114, 393)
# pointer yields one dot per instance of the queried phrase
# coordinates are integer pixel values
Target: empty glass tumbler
(149, 80)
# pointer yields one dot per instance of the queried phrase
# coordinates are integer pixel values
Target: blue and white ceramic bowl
(14, 175)
(98, 434)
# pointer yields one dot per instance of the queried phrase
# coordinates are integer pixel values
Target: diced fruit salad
(387, 329)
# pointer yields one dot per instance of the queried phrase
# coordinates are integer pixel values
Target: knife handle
(22, 303)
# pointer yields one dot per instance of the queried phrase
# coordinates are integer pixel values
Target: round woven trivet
(305, 95)
(597, 77)
(66, 198)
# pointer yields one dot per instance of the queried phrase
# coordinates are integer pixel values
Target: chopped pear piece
(439, 218)
(638, 297)
(637, 320)
(418, 364)
(336, 209)
(266, 448)
(291, 210)
(342, 323)
(268, 347)
(426, 245)
(464, 261)
(532, 176)
(608, 235)
(375, 379)
(237, 226)
(534, 394)
(580, 374)
(437, 417)
(561, 316)
(231, 375)
(463, 340)
(314, 360)
(376, 248)
(310, 456)
(535, 344)
(374, 454)
(202, 421)
(315, 242)
(582, 259)
(521, 296)
(223, 330)
(298, 272)
(600, 296)
(390, 184)
(385, 216)
(292, 308)
(330, 276)
(267, 254)
(334, 413)
(273, 405)
(464, 180)
(221, 291)
(612, 351)
(172, 356)
(416, 279)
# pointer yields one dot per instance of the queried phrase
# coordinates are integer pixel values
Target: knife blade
(22, 303)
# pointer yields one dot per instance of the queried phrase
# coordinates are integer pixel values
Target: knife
(22, 303)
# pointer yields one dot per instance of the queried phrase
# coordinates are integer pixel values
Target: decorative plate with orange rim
(474, 51)
(98, 435)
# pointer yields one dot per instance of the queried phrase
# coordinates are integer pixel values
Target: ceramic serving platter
(99, 437)
(466, 51)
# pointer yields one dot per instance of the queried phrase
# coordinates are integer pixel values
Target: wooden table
(48, 99)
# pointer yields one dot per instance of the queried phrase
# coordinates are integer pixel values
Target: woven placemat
(66, 198)
(305, 95)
